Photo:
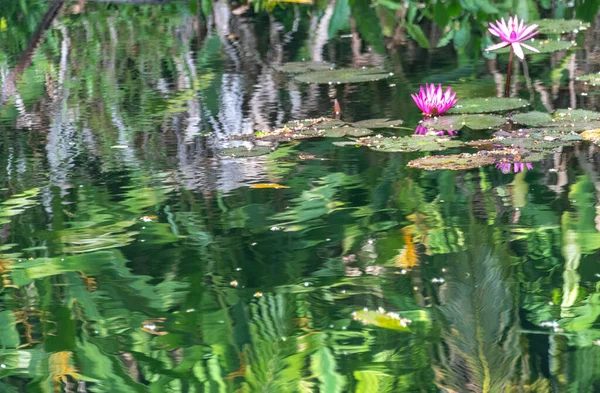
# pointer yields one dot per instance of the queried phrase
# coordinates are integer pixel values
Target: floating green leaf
(377, 123)
(243, 152)
(488, 104)
(341, 132)
(540, 140)
(572, 126)
(453, 162)
(407, 143)
(559, 26)
(545, 46)
(343, 75)
(300, 67)
(474, 122)
(576, 115)
(532, 119)
(592, 79)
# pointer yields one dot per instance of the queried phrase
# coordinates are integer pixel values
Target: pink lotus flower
(506, 167)
(420, 130)
(432, 101)
(513, 33)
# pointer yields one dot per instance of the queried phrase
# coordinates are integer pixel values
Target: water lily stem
(508, 74)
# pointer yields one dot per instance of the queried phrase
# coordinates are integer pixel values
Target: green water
(134, 258)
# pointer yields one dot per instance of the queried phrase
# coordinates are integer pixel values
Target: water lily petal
(518, 50)
(497, 46)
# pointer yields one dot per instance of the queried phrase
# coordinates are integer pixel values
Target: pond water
(137, 256)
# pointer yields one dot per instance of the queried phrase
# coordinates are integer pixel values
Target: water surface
(137, 259)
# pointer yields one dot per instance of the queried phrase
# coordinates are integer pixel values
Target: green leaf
(392, 5)
(417, 34)
(340, 19)
(441, 16)
(462, 37)
(446, 38)
(9, 336)
(368, 24)
(323, 366)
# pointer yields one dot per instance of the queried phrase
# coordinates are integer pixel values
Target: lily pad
(407, 143)
(300, 67)
(545, 140)
(592, 79)
(576, 115)
(340, 132)
(488, 104)
(532, 119)
(343, 75)
(474, 122)
(377, 123)
(544, 46)
(453, 162)
(243, 152)
(559, 26)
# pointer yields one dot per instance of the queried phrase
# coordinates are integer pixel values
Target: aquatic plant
(513, 34)
(432, 101)
(516, 167)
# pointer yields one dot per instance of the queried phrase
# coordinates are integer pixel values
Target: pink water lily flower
(433, 101)
(513, 33)
(516, 167)
(420, 130)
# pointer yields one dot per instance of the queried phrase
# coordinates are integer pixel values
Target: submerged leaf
(474, 122)
(343, 75)
(488, 104)
(558, 26)
(453, 162)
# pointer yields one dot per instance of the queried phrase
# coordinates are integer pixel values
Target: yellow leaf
(268, 185)
(591, 135)
(408, 257)
(3, 24)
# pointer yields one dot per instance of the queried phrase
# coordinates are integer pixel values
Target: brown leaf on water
(268, 185)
